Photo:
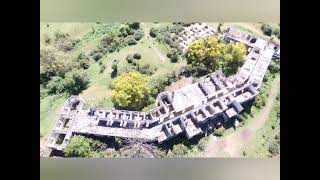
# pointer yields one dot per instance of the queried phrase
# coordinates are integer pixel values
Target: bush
(83, 61)
(145, 69)
(187, 71)
(129, 58)
(220, 131)
(173, 56)
(266, 29)
(179, 150)
(202, 144)
(137, 56)
(81, 146)
(76, 81)
(60, 35)
(134, 25)
(274, 67)
(153, 32)
(56, 85)
(158, 84)
(97, 56)
(259, 101)
(102, 68)
(131, 41)
(138, 34)
(274, 148)
(276, 32)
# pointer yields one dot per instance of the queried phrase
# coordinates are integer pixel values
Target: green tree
(206, 54)
(178, 150)
(56, 85)
(266, 29)
(233, 58)
(50, 65)
(209, 55)
(130, 91)
(76, 81)
(81, 146)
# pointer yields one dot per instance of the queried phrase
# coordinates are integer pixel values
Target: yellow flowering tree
(130, 91)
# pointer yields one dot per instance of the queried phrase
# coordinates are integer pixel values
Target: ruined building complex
(194, 109)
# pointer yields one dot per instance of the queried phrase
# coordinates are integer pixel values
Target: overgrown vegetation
(209, 55)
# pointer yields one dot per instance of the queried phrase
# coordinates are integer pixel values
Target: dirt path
(231, 146)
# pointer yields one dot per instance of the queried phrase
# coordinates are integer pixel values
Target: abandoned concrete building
(192, 33)
(194, 109)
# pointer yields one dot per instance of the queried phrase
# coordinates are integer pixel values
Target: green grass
(265, 135)
(50, 108)
(99, 91)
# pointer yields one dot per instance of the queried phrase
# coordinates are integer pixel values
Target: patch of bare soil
(179, 84)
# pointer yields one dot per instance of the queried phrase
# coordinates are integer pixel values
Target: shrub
(134, 25)
(137, 56)
(102, 68)
(81, 146)
(76, 81)
(56, 85)
(83, 61)
(274, 148)
(259, 101)
(131, 41)
(179, 150)
(145, 69)
(173, 55)
(97, 56)
(266, 29)
(138, 34)
(60, 35)
(158, 84)
(153, 32)
(220, 131)
(202, 144)
(129, 58)
(276, 32)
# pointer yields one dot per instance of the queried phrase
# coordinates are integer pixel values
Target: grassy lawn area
(50, 108)
(265, 136)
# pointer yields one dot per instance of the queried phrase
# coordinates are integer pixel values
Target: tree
(56, 85)
(137, 56)
(130, 91)
(50, 65)
(134, 25)
(220, 131)
(266, 29)
(206, 54)
(209, 55)
(81, 146)
(178, 150)
(234, 58)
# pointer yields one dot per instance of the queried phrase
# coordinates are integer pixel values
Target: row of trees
(209, 55)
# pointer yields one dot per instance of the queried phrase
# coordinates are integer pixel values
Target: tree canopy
(209, 55)
(130, 91)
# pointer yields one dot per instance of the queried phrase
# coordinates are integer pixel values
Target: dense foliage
(209, 55)
(130, 91)
(81, 146)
